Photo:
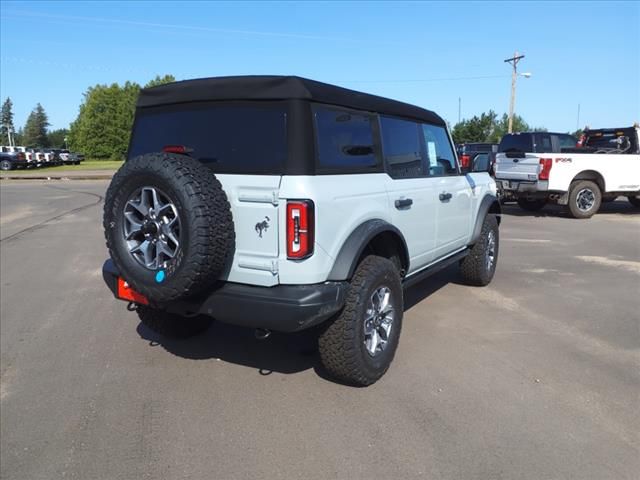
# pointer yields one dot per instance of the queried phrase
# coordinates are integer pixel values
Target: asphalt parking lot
(534, 377)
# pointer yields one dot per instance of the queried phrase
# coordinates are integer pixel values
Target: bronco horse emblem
(262, 226)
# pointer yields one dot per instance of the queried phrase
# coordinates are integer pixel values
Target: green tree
(35, 130)
(475, 129)
(56, 137)
(502, 127)
(103, 125)
(6, 119)
(160, 81)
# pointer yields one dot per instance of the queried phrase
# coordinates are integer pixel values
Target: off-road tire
(172, 326)
(575, 189)
(207, 232)
(6, 165)
(473, 267)
(531, 205)
(635, 201)
(342, 344)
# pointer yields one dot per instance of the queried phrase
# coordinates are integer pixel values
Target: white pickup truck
(604, 166)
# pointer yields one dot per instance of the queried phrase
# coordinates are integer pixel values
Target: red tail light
(300, 226)
(179, 149)
(545, 168)
(125, 292)
(465, 160)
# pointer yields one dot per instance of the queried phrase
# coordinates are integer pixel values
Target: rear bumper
(283, 308)
(514, 189)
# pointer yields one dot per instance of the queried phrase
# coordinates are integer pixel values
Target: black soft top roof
(272, 87)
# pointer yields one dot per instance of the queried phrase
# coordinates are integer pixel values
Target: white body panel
(253, 199)
(432, 229)
(417, 223)
(621, 172)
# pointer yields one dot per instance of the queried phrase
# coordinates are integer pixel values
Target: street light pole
(514, 75)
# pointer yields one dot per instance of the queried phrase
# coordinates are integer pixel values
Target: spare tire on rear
(168, 226)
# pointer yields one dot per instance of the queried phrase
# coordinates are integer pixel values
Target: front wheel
(585, 199)
(170, 325)
(360, 344)
(5, 165)
(634, 200)
(531, 205)
(479, 266)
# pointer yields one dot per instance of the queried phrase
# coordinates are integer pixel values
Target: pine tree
(6, 120)
(35, 130)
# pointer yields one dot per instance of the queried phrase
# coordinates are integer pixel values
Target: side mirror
(481, 163)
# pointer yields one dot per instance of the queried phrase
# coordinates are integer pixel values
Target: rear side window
(566, 141)
(440, 157)
(543, 143)
(228, 137)
(402, 148)
(344, 139)
(516, 143)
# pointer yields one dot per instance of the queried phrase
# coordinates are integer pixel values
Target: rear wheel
(172, 326)
(6, 165)
(360, 344)
(635, 201)
(532, 205)
(585, 199)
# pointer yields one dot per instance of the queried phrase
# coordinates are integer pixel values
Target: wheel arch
(490, 205)
(592, 175)
(373, 236)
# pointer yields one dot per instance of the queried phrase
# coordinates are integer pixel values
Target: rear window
(228, 137)
(516, 143)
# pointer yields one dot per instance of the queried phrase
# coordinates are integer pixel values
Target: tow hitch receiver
(125, 292)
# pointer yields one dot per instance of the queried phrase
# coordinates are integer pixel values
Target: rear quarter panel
(342, 203)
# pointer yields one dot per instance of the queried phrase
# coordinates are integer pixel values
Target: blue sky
(429, 54)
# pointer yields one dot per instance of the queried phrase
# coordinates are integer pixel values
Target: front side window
(440, 156)
(402, 148)
(344, 139)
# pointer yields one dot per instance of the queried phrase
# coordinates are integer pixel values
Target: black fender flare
(490, 205)
(347, 260)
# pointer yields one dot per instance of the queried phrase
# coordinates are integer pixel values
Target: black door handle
(403, 203)
(444, 197)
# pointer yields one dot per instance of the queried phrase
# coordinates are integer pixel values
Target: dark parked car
(11, 160)
(468, 153)
(536, 142)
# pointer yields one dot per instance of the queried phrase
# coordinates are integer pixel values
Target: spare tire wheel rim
(378, 321)
(151, 227)
(585, 199)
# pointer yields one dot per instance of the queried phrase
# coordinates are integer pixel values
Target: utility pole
(514, 75)
(459, 109)
(578, 120)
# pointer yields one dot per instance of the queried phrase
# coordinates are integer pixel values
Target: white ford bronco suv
(280, 203)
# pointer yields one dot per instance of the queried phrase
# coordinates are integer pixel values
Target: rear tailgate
(517, 166)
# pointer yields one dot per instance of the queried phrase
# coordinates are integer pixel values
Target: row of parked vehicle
(12, 157)
(537, 168)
